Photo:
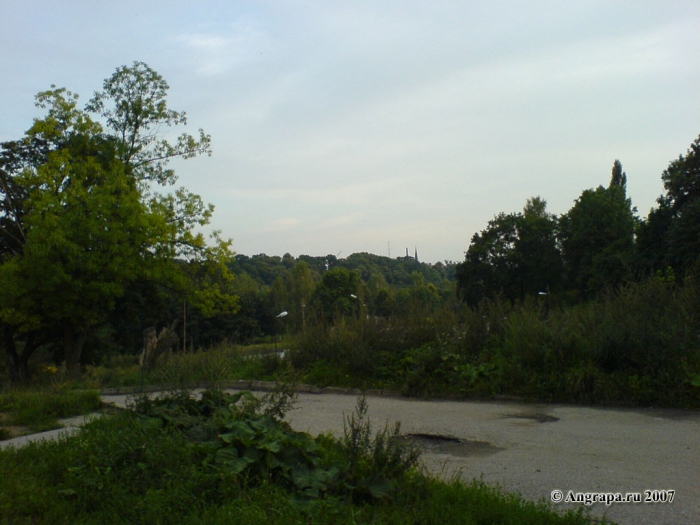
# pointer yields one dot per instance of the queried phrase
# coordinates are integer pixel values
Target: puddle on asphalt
(438, 444)
(534, 416)
(673, 414)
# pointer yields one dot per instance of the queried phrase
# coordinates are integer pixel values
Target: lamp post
(548, 300)
(279, 316)
(359, 303)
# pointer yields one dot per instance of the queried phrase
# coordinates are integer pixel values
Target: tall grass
(220, 363)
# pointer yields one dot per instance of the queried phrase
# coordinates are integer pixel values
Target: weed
(374, 462)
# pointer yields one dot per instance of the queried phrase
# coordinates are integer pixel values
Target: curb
(261, 386)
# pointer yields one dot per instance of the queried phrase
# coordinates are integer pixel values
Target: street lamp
(279, 316)
(548, 300)
(359, 302)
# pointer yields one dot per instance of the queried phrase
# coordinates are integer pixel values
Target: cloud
(216, 53)
(284, 224)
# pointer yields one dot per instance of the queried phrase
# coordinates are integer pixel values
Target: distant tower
(415, 253)
(406, 252)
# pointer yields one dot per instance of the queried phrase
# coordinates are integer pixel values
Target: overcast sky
(351, 126)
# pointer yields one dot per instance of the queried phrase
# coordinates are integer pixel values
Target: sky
(375, 126)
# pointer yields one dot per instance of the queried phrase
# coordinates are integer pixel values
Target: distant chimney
(415, 253)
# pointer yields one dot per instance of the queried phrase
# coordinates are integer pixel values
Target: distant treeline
(312, 289)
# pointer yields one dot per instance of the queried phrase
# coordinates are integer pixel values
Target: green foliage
(366, 349)
(40, 409)
(133, 104)
(597, 238)
(239, 435)
(587, 250)
(82, 222)
(515, 256)
(83, 246)
(440, 369)
(176, 460)
(211, 367)
(637, 345)
(337, 294)
(669, 236)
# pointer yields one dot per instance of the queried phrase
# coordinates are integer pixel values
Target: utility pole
(184, 326)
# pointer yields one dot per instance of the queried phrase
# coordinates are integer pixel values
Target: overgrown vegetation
(640, 345)
(226, 458)
(39, 410)
(634, 346)
(209, 367)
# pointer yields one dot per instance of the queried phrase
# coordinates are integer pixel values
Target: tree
(539, 255)
(337, 294)
(597, 237)
(134, 106)
(84, 245)
(515, 256)
(671, 234)
(80, 221)
(491, 266)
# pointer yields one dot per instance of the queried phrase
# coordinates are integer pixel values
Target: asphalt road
(536, 449)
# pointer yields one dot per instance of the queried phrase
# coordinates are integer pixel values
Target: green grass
(40, 410)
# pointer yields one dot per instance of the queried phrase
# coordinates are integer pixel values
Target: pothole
(439, 444)
(535, 416)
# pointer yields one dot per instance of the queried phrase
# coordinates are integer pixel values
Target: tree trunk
(72, 350)
(156, 349)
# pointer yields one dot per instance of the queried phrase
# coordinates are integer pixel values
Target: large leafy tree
(81, 220)
(671, 234)
(491, 262)
(515, 256)
(597, 237)
(537, 245)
